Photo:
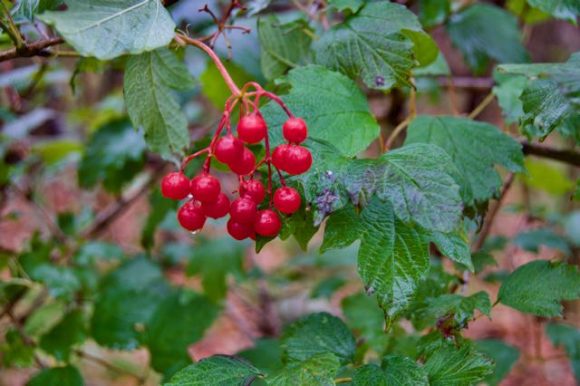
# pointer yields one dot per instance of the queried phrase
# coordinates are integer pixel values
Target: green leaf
(94, 252)
(524, 12)
(318, 370)
(28, 9)
(214, 260)
(301, 225)
(127, 300)
(568, 337)
(539, 287)
(474, 147)
(562, 9)
(508, 91)
(363, 315)
(160, 208)
(266, 355)
(451, 310)
(417, 180)
(62, 282)
(15, 352)
(484, 32)
(414, 178)
(255, 6)
(451, 366)
(58, 376)
(54, 151)
(545, 108)
(331, 104)
(70, 331)
(150, 80)
(343, 5)
(438, 282)
(504, 356)
(44, 318)
(550, 99)
(216, 370)
(433, 12)
(317, 334)
(327, 287)
(481, 260)
(282, 46)
(532, 240)
(114, 155)
(547, 176)
(454, 245)
(127, 26)
(380, 44)
(180, 320)
(439, 67)
(394, 371)
(392, 258)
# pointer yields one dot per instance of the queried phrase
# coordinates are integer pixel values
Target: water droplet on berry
(193, 233)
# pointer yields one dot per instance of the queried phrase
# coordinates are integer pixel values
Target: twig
(38, 48)
(110, 214)
(482, 106)
(11, 304)
(453, 98)
(398, 130)
(466, 82)
(490, 218)
(342, 380)
(50, 223)
(567, 156)
(35, 80)
(11, 28)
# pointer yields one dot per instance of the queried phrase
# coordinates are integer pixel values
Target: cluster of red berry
(249, 215)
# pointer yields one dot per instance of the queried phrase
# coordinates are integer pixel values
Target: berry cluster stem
(184, 39)
(287, 200)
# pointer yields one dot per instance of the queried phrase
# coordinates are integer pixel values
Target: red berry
(175, 186)
(246, 164)
(191, 216)
(217, 209)
(239, 231)
(294, 130)
(267, 223)
(205, 188)
(298, 160)
(287, 200)
(243, 210)
(253, 189)
(229, 149)
(252, 128)
(279, 156)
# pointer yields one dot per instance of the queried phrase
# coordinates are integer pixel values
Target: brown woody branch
(112, 213)
(467, 82)
(567, 156)
(38, 48)
(490, 218)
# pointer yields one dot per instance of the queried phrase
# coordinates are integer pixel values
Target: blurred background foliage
(98, 277)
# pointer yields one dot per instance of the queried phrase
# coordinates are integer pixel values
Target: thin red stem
(220, 66)
(277, 99)
(190, 157)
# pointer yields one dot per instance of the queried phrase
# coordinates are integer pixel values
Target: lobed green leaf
(539, 287)
(107, 29)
